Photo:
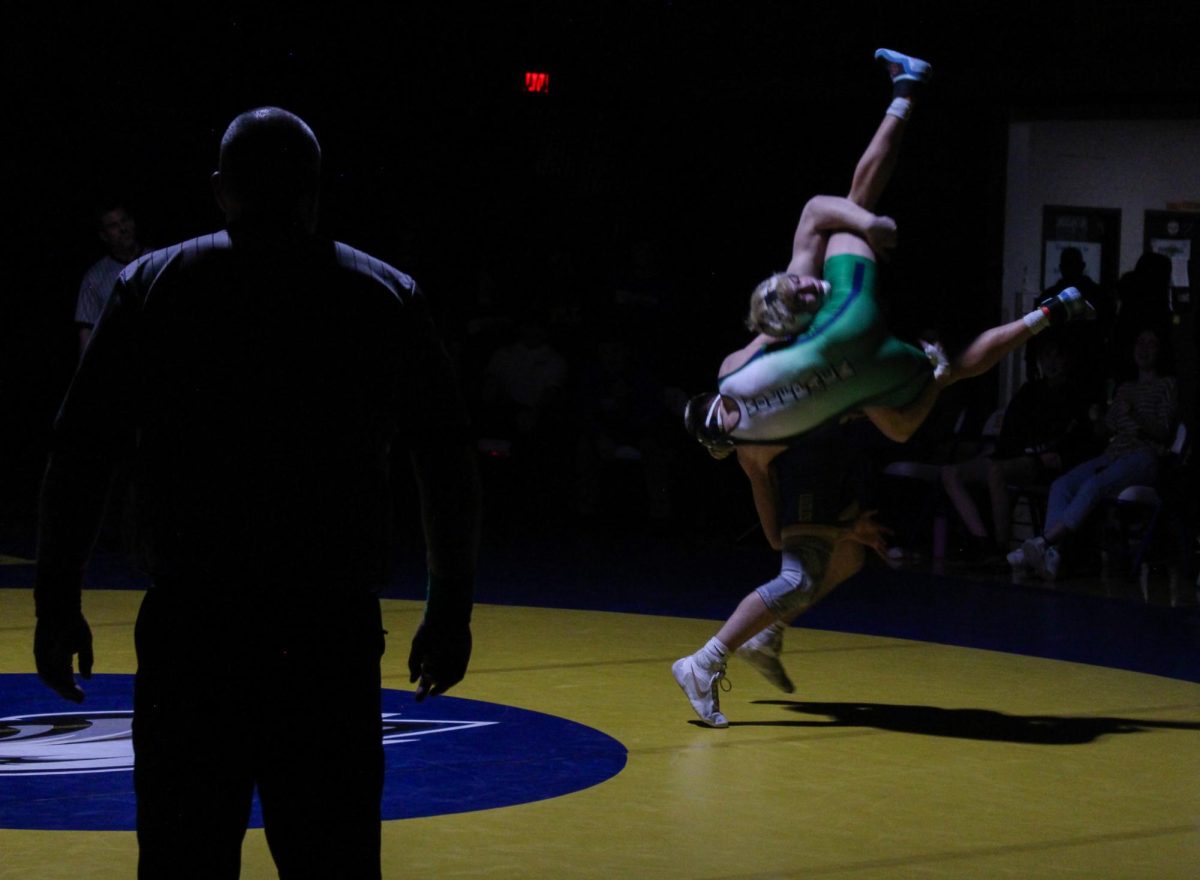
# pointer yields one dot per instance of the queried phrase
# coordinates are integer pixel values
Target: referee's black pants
(278, 695)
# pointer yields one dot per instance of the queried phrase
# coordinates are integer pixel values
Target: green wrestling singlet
(844, 361)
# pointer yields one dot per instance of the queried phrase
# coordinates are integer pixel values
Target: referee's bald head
(270, 165)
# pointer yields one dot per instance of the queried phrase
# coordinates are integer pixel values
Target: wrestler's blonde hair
(768, 313)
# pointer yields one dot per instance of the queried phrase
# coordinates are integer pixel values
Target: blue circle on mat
(69, 768)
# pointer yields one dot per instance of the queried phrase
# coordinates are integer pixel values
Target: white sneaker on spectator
(1051, 562)
(1017, 560)
(1035, 550)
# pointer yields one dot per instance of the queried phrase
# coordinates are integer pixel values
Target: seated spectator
(1144, 302)
(524, 388)
(1045, 431)
(623, 416)
(642, 300)
(1141, 417)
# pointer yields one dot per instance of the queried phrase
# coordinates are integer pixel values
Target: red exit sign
(537, 83)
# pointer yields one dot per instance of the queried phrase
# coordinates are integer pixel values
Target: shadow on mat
(984, 724)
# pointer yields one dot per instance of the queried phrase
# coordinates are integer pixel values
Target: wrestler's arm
(825, 214)
(738, 359)
(756, 463)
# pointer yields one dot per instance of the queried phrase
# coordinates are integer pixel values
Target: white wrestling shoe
(763, 652)
(702, 688)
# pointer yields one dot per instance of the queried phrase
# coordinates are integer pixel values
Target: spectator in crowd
(1144, 296)
(524, 389)
(623, 415)
(1084, 342)
(1045, 431)
(118, 231)
(1141, 418)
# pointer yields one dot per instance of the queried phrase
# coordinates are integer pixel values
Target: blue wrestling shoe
(1067, 305)
(907, 73)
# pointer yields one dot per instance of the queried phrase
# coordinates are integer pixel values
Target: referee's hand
(439, 657)
(56, 641)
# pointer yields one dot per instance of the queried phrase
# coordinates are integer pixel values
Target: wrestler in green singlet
(845, 360)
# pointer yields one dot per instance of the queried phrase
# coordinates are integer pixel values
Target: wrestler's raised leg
(875, 167)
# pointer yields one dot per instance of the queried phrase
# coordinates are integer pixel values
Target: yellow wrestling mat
(894, 759)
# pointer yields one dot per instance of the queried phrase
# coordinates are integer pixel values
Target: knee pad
(798, 579)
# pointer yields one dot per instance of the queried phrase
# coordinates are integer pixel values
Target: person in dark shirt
(1144, 303)
(1045, 431)
(1086, 342)
(255, 380)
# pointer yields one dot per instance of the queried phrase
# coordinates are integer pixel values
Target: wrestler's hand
(719, 452)
(56, 641)
(439, 657)
(942, 373)
(882, 235)
(869, 533)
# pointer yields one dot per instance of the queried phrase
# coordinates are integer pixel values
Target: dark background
(702, 125)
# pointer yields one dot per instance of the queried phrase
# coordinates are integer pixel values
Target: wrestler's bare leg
(875, 167)
(984, 352)
(873, 171)
(877, 163)
(847, 552)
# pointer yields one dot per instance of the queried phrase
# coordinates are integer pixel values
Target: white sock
(901, 108)
(712, 655)
(1037, 321)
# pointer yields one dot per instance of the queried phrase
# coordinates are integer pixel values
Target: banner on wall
(1175, 234)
